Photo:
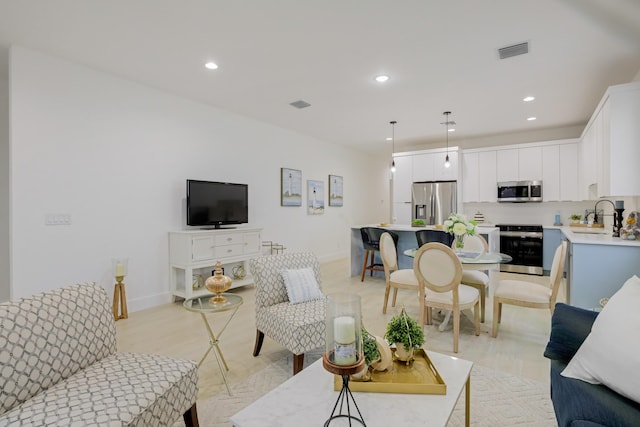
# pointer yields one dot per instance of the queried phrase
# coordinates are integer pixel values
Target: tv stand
(195, 252)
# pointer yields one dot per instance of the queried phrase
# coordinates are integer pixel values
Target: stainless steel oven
(524, 244)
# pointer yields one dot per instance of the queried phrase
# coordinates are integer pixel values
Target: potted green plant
(575, 218)
(406, 334)
(371, 354)
(418, 223)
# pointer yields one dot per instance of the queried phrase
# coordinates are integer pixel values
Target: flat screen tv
(214, 204)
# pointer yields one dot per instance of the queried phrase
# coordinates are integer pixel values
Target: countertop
(596, 239)
(405, 227)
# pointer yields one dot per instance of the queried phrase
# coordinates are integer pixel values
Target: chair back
(267, 275)
(388, 254)
(557, 270)
(475, 243)
(437, 268)
(426, 236)
(371, 237)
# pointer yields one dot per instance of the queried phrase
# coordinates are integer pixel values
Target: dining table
(489, 261)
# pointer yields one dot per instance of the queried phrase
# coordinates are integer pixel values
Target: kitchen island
(598, 265)
(407, 240)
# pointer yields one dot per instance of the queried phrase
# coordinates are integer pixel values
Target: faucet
(595, 209)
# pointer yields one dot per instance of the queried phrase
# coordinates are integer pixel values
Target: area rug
(497, 398)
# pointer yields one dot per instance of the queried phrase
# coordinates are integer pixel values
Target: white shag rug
(497, 398)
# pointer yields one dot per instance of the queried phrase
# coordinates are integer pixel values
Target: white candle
(344, 329)
(119, 269)
(344, 335)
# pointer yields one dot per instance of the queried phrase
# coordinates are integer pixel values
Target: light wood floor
(173, 331)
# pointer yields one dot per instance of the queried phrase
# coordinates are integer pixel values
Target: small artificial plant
(418, 222)
(405, 330)
(575, 217)
(369, 347)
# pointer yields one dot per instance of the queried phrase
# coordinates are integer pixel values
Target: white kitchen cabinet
(424, 167)
(196, 252)
(470, 177)
(530, 164)
(610, 149)
(507, 165)
(568, 172)
(551, 173)
(402, 213)
(487, 180)
(402, 179)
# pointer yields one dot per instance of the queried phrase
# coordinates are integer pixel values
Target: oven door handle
(528, 235)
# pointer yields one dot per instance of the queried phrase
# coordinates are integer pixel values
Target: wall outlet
(57, 219)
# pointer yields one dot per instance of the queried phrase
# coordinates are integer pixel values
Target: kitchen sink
(591, 231)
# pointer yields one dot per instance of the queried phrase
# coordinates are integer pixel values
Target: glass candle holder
(343, 329)
(119, 267)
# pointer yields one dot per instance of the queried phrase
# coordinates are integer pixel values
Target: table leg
(467, 402)
(214, 345)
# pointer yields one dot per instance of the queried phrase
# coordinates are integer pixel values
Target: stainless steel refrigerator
(433, 201)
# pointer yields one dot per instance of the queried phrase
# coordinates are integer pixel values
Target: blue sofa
(577, 403)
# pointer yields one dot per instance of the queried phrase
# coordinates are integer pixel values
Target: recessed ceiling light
(211, 65)
(452, 130)
(528, 98)
(531, 119)
(388, 139)
(382, 78)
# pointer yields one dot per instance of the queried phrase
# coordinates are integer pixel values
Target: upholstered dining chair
(476, 278)
(529, 294)
(439, 271)
(296, 324)
(395, 278)
(371, 245)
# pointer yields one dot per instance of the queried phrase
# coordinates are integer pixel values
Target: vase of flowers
(458, 226)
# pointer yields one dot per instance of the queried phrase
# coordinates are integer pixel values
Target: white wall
(115, 155)
(4, 191)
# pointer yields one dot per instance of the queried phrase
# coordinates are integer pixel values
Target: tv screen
(216, 203)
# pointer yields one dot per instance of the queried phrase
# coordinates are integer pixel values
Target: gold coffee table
(201, 305)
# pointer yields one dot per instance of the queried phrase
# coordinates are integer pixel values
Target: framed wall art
(315, 197)
(336, 192)
(290, 187)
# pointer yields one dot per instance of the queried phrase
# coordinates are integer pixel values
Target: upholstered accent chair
(297, 327)
(59, 367)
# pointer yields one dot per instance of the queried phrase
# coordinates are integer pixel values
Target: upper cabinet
(560, 172)
(610, 148)
(430, 166)
(402, 179)
(479, 176)
(519, 164)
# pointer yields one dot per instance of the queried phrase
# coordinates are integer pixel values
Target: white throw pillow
(301, 285)
(610, 354)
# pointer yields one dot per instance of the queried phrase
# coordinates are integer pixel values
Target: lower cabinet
(193, 255)
(551, 239)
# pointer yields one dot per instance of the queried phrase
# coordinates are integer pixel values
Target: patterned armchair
(59, 367)
(297, 327)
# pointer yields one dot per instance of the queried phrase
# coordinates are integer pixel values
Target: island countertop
(596, 239)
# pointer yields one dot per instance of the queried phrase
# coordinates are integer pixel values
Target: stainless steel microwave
(520, 191)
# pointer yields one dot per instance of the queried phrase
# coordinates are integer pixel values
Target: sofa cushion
(121, 389)
(301, 285)
(609, 355)
(570, 326)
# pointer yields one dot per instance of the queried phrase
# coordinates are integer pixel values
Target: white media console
(196, 252)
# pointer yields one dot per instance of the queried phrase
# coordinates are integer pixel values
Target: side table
(201, 305)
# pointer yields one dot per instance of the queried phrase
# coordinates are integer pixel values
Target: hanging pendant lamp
(447, 163)
(393, 145)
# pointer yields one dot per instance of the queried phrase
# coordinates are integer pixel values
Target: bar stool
(426, 236)
(371, 244)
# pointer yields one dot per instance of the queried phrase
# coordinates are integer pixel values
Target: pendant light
(393, 145)
(447, 163)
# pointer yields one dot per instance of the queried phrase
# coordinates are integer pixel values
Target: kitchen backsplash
(544, 213)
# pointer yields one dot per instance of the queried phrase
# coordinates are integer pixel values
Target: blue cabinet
(551, 239)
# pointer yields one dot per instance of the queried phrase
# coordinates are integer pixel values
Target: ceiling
(440, 55)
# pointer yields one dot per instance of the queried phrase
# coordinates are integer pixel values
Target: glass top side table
(201, 305)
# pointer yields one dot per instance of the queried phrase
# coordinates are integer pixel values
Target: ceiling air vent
(515, 50)
(300, 104)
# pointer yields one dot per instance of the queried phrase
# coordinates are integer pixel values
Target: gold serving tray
(419, 377)
(587, 225)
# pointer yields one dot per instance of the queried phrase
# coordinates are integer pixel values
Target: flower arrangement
(459, 226)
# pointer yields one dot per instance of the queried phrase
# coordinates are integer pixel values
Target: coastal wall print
(315, 197)
(290, 187)
(336, 192)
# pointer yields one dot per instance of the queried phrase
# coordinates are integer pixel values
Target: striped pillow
(301, 285)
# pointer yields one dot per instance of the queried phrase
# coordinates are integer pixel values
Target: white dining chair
(476, 278)
(529, 294)
(395, 278)
(439, 272)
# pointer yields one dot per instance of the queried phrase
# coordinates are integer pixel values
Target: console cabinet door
(202, 248)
